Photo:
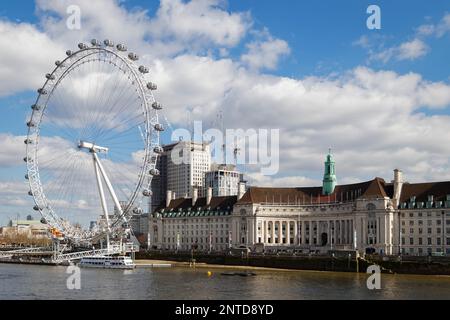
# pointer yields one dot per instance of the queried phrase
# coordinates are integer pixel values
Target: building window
(411, 241)
(448, 241)
(420, 241)
(429, 230)
(429, 242)
(411, 214)
(411, 222)
(438, 241)
(403, 241)
(411, 230)
(403, 223)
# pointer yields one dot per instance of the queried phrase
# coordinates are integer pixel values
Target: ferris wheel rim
(151, 138)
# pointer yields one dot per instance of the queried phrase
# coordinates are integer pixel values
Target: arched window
(371, 206)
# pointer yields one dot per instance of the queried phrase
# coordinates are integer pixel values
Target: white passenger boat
(116, 262)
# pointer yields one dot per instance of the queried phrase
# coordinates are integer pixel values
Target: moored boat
(114, 262)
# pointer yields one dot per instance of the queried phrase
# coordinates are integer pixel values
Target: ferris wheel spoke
(117, 134)
(98, 99)
(55, 183)
(109, 95)
(127, 124)
(87, 71)
(124, 102)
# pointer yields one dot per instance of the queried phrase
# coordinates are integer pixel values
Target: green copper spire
(329, 177)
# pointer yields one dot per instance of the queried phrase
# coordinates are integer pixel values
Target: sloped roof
(217, 203)
(375, 188)
(439, 191)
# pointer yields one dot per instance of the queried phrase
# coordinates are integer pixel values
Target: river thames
(50, 282)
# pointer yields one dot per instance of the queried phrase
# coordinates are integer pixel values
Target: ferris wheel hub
(91, 147)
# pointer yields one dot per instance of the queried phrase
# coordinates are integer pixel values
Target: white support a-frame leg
(108, 184)
(101, 173)
(102, 197)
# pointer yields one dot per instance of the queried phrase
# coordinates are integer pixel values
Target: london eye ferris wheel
(93, 141)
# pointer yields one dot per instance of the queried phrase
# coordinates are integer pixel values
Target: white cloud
(265, 53)
(443, 26)
(257, 179)
(177, 25)
(363, 42)
(409, 50)
(203, 20)
(426, 30)
(13, 150)
(25, 57)
(412, 50)
(439, 29)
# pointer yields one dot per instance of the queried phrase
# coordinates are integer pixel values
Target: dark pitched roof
(225, 203)
(375, 188)
(439, 191)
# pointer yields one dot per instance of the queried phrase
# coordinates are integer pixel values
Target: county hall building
(390, 218)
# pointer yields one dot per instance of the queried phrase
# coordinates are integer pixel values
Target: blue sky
(320, 36)
(318, 32)
(390, 86)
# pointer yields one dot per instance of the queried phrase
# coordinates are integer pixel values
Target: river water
(50, 282)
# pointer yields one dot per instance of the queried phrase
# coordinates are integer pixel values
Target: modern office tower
(182, 166)
(223, 179)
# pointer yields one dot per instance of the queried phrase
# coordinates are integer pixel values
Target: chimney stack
(241, 190)
(168, 197)
(398, 183)
(208, 196)
(194, 195)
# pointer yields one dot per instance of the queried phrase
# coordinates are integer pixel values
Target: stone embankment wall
(314, 262)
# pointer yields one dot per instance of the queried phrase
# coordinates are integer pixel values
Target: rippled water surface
(48, 282)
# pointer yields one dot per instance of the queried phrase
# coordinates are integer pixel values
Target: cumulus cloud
(200, 21)
(24, 68)
(412, 50)
(257, 179)
(409, 50)
(265, 53)
(177, 25)
(438, 30)
(13, 150)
